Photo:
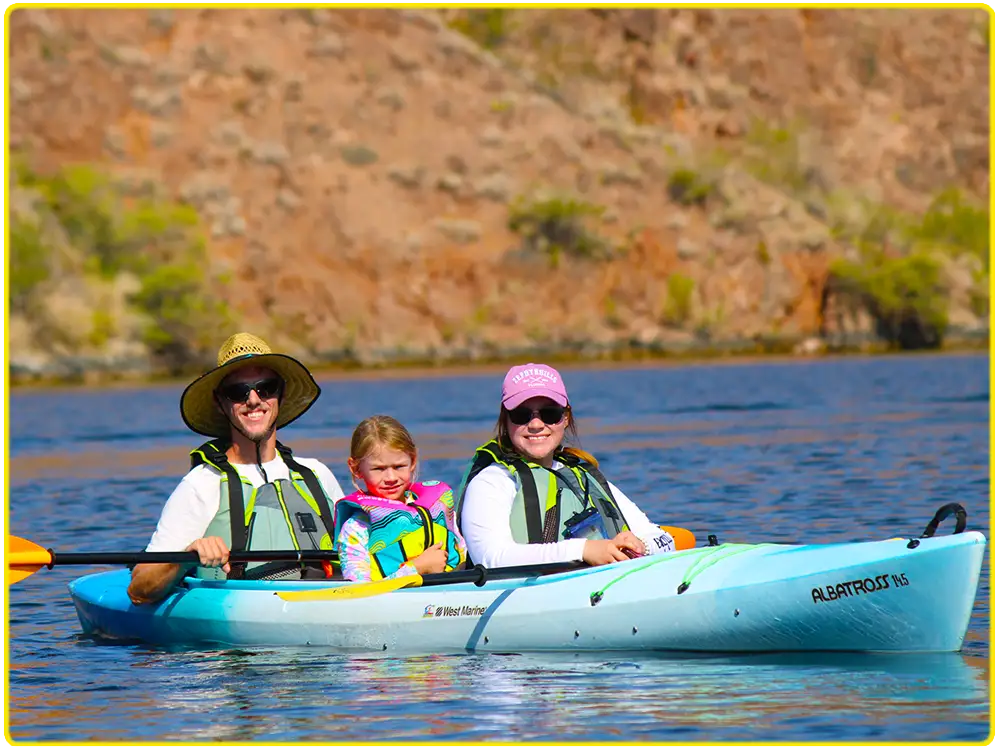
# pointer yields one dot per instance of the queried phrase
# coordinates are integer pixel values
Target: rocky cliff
(372, 186)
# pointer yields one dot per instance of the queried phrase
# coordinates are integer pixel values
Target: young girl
(395, 526)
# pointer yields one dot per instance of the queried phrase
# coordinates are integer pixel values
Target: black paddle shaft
(480, 575)
(137, 558)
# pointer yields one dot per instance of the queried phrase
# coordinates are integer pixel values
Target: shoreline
(404, 370)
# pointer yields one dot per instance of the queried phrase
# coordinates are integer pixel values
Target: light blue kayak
(891, 595)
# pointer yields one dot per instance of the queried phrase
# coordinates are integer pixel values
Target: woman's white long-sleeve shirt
(486, 508)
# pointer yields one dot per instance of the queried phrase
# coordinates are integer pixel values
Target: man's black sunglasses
(548, 414)
(238, 393)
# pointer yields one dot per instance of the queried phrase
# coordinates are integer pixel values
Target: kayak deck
(869, 596)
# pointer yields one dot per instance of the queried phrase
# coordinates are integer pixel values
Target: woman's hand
(212, 551)
(431, 560)
(630, 540)
(602, 552)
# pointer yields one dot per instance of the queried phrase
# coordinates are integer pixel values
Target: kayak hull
(870, 596)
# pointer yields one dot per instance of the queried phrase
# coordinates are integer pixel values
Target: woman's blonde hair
(381, 430)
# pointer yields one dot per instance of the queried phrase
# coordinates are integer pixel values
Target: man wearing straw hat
(245, 491)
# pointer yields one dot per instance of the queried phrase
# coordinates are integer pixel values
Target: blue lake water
(834, 450)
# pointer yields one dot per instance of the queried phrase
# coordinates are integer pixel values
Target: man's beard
(263, 433)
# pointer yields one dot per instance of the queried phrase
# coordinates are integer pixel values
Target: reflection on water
(246, 696)
(827, 451)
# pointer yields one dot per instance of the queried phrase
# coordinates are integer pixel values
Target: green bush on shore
(898, 279)
(80, 222)
(904, 296)
(955, 223)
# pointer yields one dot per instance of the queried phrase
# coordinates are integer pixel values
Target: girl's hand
(431, 560)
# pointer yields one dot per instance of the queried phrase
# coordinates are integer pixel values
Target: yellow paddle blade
(351, 590)
(683, 539)
(23, 558)
(17, 544)
(17, 573)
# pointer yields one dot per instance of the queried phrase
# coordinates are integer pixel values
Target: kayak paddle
(477, 575)
(683, 539)
(25, 557)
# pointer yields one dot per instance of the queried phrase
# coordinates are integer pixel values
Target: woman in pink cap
(529, 499)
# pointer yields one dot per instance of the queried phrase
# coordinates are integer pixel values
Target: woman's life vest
(573, 501)
(399, 531)
(285, 514)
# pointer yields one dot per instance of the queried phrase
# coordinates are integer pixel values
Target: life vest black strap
(480, 461)
(599, 476)
(315, 488)
(214, 453)
(532, 511)
(611, 509)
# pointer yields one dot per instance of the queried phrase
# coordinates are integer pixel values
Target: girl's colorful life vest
(399, 531)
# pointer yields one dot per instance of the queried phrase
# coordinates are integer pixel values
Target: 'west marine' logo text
(464, 611)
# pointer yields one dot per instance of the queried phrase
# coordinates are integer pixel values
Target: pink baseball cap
(530, 380)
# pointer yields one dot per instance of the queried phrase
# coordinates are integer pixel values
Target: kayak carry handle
(942, 513)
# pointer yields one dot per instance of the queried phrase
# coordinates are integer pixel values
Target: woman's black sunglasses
(548, 414)
(238, 393)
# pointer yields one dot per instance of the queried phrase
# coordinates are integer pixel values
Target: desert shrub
(28, 262)
(488, 28)
(110, 230)
(677, 304)
(762, 253)
(979, 301)
(181, 318)
(557, 226)
(687, 187)
(773, 155)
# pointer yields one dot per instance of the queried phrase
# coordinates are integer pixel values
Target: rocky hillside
(372, 186)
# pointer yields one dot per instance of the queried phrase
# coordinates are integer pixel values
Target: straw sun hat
(198, 407)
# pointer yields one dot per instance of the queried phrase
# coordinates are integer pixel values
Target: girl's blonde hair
(381, 430)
